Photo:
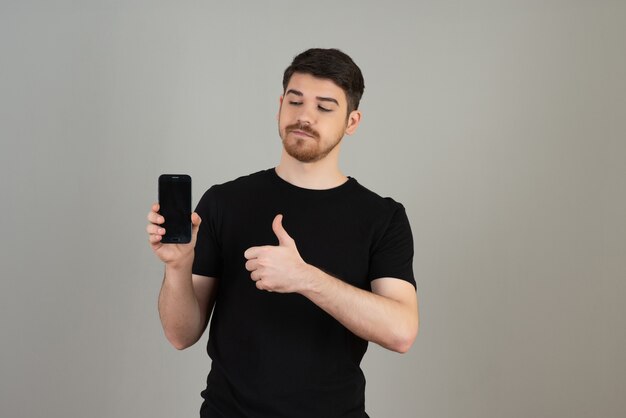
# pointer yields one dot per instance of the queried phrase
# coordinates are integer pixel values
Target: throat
(312, 177)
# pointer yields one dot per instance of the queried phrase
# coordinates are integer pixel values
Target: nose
(305, 116)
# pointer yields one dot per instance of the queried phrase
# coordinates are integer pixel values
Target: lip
(301, 133)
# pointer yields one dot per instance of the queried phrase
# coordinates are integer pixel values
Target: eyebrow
(320, 98)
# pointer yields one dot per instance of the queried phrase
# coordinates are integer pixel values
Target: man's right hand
(186, 299)
(174, 255)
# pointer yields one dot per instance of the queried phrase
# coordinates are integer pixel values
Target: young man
(300, 265)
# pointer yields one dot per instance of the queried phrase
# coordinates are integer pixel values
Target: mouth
(301, 133)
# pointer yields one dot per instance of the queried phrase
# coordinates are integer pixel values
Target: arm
(185, 304)
(186, 299)
(387, 316)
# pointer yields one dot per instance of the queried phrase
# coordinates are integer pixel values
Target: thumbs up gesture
(277, 268)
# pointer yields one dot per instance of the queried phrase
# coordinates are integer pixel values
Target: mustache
(304, 128)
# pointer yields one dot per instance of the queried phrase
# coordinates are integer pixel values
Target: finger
(255, 275)
(155, 207)
(252, 264)
(195, 226)
(155, 218)
(281, 234)
(153, 229)
(253, 252)
(155, 239)
(261, 285)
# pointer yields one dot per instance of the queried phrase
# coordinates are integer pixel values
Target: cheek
(283, 116)
(338, 127)
(283, 122)
(280, 116)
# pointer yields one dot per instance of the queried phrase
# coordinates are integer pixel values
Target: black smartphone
(175, 207)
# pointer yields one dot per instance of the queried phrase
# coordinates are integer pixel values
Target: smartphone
(175, 207)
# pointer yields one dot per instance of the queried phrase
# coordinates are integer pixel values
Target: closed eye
(295, 103)
(323, 109)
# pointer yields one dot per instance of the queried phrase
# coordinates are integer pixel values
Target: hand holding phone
(173, 254)
(175, 207)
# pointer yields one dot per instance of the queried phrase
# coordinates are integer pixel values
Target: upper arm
(205, 289)
(400, 291)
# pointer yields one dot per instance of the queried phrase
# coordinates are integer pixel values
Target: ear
(280, 105)
(354, 118)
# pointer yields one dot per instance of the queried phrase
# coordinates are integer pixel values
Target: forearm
(179, 310)
(390, 323)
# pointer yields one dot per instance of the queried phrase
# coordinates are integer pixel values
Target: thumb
(195, 225)
(281, 234)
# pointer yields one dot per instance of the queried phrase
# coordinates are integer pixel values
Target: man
(300, 265)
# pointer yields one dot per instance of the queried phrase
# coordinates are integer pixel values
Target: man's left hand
(277, 268)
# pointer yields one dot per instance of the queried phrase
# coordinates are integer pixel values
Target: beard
(309, 149)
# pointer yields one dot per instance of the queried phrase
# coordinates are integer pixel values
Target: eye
(295, 103)
(323, 109)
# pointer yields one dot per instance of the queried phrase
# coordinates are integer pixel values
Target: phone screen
(175, 207)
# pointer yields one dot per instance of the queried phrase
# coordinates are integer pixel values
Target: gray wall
(500, 125)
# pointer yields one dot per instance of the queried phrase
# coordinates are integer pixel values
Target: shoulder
(235, 192)
(377, 203)
(385, 216)
(238, 186)
(243, 182)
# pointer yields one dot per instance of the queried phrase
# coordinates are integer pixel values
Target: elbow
(406, 335)
(180, 345)
(404, 340)
(404, 332)
(178, 342)
(403, 345)
(181, 337)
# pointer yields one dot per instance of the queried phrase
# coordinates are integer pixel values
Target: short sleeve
(392, 254)
(207, 259)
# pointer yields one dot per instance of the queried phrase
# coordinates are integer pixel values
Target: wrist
(180, 267)
(311, 279)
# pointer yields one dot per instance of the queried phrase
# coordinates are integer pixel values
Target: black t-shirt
(279, 355)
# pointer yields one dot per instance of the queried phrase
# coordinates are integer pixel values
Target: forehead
(311, 87)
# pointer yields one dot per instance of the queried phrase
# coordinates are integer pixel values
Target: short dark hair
(331, 64)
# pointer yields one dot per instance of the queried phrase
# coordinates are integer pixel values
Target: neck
(319, 175)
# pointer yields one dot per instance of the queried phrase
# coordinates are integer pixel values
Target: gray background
(500, 125)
